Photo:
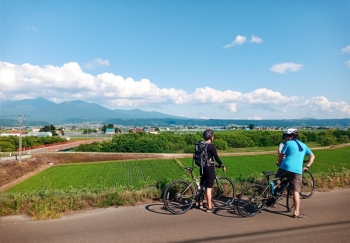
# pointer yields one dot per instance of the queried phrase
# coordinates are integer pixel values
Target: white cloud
(98, 62)
(238, 41)
(346, 49)
(287, 66)
(256, 39)
(69, 82)
(232, 107)
(348, 64)
(255, 118)
(322, 107)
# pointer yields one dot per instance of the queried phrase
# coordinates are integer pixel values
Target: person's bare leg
(296, 199)
(208, 196)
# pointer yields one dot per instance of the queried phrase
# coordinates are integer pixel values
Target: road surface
(328, 221)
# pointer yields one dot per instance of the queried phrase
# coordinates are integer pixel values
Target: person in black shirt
(208, 172)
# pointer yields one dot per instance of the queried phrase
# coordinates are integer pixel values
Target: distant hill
(43, 112)
(224, 123)
(76, 111)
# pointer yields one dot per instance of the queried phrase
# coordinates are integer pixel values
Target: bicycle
(307, 185)
(253, 198)
(180, 195)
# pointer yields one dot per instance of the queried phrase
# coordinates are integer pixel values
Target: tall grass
(47, 204)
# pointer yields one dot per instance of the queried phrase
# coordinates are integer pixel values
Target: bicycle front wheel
(290, 200)
(307, 185)
(252, 200)
(223, 192)
(178, 196)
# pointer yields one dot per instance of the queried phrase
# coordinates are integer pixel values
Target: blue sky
(199, 59)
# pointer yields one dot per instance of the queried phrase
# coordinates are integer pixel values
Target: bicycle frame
(180, 195)
(283, 184)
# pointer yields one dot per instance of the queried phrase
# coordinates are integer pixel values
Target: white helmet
(291, 131)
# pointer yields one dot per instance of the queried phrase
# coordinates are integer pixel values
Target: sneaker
(210, 210)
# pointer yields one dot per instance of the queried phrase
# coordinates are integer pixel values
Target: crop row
(143, 173)
(136, 174)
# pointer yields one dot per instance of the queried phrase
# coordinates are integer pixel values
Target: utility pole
(20, 120)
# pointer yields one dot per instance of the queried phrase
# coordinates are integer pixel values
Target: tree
(62, 130)
(50, 128)
(251, 126)
(6, 147)
(105, 127)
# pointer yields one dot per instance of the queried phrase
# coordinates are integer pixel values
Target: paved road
(328, 221)
(27, 154)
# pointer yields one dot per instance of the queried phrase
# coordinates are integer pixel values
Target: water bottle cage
(279, 189)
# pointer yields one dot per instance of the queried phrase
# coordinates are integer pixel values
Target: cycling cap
(207, 134)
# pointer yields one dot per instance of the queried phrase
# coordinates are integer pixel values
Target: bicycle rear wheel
(307, 185)
(223, 192)
(178, 196)
(252, 200)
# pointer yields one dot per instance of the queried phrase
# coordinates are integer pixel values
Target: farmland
(130, 174)
(158, 172)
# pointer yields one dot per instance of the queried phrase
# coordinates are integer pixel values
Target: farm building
(40, 134)
(110, 131)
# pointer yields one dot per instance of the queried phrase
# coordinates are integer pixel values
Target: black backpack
(200, 155)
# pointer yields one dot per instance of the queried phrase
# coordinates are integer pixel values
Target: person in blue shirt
(290, 162)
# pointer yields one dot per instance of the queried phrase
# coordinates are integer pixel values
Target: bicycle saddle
(268, 173)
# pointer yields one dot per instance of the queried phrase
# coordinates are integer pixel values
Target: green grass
(331, 157)
(240, 168)
(143, 173)
(135, 174)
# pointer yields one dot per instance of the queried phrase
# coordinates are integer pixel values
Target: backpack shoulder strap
(299, 146)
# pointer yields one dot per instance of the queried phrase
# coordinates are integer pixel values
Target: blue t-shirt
(293, 161)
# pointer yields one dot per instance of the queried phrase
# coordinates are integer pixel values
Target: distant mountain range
(43, 112)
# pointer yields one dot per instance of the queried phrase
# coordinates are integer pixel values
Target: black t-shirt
(213, 154)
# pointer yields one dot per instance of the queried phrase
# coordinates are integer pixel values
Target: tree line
(11, 143)
(170, 142)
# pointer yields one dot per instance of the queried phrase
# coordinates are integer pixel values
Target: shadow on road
(157, 208)
(230, 211)
(266, 233)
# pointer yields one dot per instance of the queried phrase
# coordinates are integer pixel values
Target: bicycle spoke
(223, 192)
(252, 200)
(308, 185)
(178, 197)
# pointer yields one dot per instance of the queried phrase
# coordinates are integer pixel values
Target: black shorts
(294, 179)
(208, 176)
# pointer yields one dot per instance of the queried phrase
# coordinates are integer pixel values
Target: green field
(143, 173)
(134, 174)
(249, 167)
